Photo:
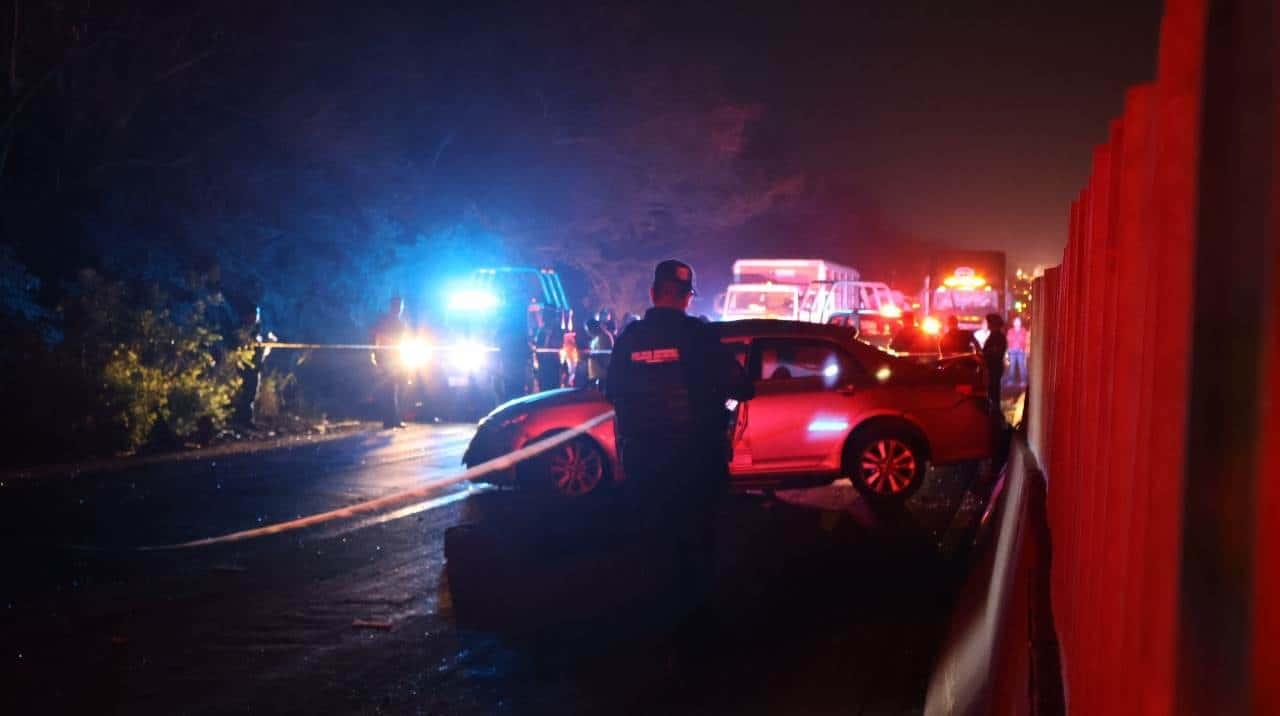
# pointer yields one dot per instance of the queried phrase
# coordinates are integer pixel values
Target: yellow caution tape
(371, 506)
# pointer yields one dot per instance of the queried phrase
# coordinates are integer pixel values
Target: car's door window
(798, 364)
(739, 350)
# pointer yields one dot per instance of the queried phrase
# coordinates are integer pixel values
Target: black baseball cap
(676, 272)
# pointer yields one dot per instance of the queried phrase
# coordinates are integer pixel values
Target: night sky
(966, 122)
(961, 122)
(329, 154)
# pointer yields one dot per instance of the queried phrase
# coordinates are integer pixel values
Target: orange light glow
(964, 282)
(931, 326)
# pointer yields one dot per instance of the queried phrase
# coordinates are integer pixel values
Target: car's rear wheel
(886, 464)
(574, 469)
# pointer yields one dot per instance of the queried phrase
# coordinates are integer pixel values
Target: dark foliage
(117, 367)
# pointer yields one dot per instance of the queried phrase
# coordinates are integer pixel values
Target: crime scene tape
(371, 506)
(281, 345)
(366, 347)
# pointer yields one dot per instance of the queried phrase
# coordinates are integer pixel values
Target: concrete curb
(333, 431)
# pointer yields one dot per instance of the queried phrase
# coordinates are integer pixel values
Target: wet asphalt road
(822, 604)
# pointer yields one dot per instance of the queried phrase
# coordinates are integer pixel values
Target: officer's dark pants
(548, 372)
(672, 494)
(389, 399)
(246, 399)
(995, 379)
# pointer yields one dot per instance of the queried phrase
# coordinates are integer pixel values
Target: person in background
(956, 340)
(569, 354)
(582, 342)
(605, 316)
(388, 332)
(980, 336)
(515, 354)
(550, 338)
(911, 338)
(1018, 338)
(249, 335)
(628, 318)
(597, 361)
(993, 355)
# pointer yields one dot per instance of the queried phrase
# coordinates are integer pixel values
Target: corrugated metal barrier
(1154, 367)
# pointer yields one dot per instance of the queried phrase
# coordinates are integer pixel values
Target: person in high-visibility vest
(601, 340)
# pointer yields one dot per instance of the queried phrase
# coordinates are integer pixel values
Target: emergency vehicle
(871, 307)
(866, 298)
(478, 311)
(779, 288)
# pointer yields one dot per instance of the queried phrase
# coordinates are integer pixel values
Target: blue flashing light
(472, 300)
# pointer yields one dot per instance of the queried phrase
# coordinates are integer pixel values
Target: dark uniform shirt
(912, 339)
(389, 330)
(993, 355)
(668, 379)
(959, 341)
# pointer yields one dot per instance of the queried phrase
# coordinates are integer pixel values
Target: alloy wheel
(576, 469)
(888, 466)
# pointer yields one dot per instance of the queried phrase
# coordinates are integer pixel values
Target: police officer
(598, 361)
(993, 351)
(550, 337)
(958, 340)
(669, 380)
(388, 333)
(515, 354)
(249, 336)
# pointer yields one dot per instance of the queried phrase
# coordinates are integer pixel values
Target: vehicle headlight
(468, 357)
(414, 352)
(472, 300)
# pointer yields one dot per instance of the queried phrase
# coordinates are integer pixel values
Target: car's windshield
(766, 302)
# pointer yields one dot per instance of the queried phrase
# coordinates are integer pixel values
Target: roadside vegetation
(113, 367)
